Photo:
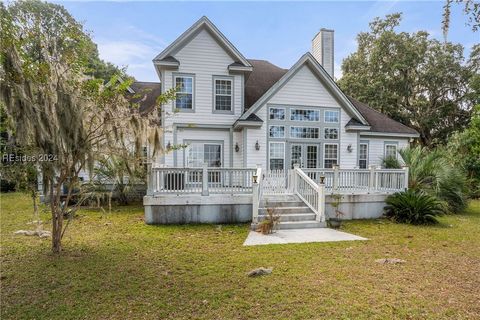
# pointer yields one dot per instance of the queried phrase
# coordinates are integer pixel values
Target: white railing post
(371, 182)
(255, 202)
(296, 166)
(321, 201)
(150, 179)
(405, 179)
(205, 180)
(336, 175)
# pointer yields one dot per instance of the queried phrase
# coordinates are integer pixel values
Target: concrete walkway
(299, 236)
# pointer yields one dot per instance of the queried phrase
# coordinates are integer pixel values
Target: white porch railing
(311, 193)
(361, 180)
(200, 180)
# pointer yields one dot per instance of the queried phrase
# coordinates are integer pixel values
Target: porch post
(371, 182)
(336, 175)
(406, 173)
(321, 202)
(150, 179)
(296, 166)
(255, 201)
(205, 180)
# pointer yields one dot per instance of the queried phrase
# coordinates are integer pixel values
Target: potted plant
(336, 222)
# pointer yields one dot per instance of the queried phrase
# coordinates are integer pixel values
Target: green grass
(116, 267)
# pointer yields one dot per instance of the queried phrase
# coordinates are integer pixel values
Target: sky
(131, 34)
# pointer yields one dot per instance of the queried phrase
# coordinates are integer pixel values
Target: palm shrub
(391, 162)
(432, 173)
(414, 207)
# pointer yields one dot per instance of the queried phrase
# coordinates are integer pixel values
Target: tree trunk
(57, 218)
(36, 216)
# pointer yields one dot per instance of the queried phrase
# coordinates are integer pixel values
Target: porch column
(336, 175)
(371, 182)
(205, 180)
(150, 179)
(296, 166)
(406, 173)
(321, 201)
(255, 201)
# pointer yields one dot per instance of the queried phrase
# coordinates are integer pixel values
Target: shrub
(391, 162)
(432, 173)
(414, 207)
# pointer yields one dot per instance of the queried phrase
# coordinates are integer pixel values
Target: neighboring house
(234, 115)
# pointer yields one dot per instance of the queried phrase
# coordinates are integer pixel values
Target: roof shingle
(145, 95)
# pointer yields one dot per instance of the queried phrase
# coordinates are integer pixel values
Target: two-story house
(234, 112)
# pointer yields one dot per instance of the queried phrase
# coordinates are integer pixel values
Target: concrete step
(282, 203)
(285, 210)
(281, 197)
(292, 217)
(308, 224)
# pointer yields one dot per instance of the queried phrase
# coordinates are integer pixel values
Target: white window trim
(175, 77)
(230, 79)
(324, 153)
(338, 133)
(276, 125)
(366, 159)
(269, 158)
(314, 110)
(290, 132)
(325, 116)
(392, 145)
(280, 108)
(202, 143)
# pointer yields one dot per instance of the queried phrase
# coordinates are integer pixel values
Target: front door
(305, 155)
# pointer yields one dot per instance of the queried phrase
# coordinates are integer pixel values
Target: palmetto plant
(431, 172)
(413, 206)
(118, 173)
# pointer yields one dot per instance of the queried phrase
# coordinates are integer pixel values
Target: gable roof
(265, 75)
(380, 122)
(317, 69)
(145, 94)
(205, 23)
(262, 78)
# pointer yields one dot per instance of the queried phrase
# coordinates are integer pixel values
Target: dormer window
(184, 95)
(223, 94)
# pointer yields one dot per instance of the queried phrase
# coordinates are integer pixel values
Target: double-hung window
(184, 94)
(223, 93)
(277, 155)
(363, 155)
(330, 155)
(391, 151)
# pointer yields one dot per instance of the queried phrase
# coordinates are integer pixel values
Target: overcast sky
(132, 33)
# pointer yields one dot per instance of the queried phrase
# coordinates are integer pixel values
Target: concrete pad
(299, 236)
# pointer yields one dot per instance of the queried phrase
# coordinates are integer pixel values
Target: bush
(414, 207)
(391, 162)
(431, 172)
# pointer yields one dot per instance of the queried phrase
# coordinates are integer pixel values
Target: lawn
(116, 267)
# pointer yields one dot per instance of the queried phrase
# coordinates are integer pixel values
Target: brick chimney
(323, 49)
